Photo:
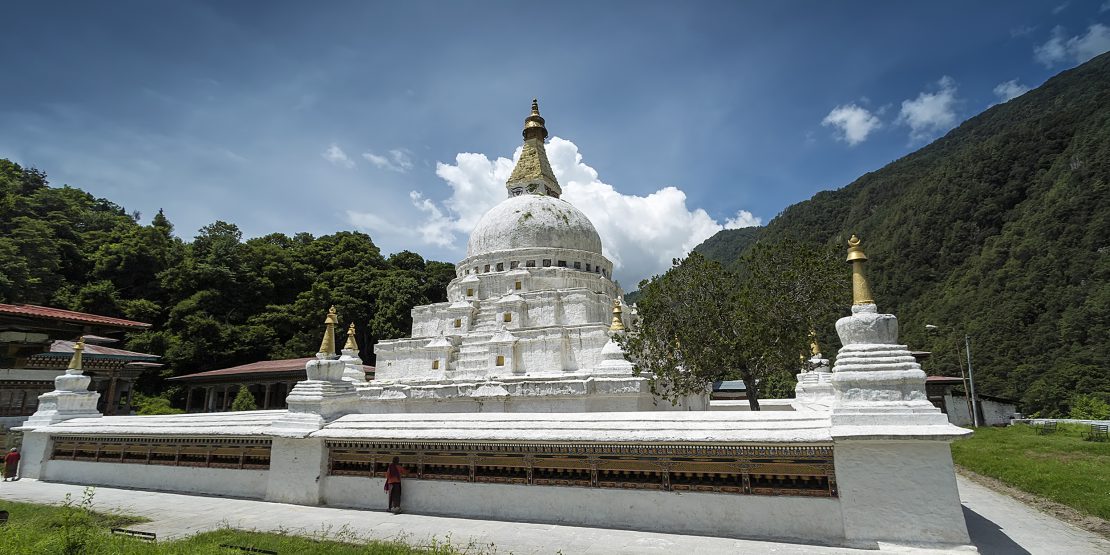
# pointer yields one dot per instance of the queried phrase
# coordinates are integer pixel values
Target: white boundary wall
(811, 519)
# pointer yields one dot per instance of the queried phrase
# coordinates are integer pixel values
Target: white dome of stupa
(533, 221)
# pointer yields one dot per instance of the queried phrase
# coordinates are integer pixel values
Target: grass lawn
(1059, 466)
(76, 528)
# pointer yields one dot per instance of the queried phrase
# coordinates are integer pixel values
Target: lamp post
(969, 380)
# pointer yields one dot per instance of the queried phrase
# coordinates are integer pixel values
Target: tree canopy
(701, 323)
(216, 301)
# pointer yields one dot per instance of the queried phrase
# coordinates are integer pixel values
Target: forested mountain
(216, 301)
(1000, 230)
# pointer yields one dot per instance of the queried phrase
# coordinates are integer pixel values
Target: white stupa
(528, 320)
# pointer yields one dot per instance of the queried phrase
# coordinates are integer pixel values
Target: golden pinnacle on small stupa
(351, 344)
(813, 347)
(327, 346)
(75, 360)
(861, 290)
(618, 323)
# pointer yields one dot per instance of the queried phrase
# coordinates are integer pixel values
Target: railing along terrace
(750, 469)
(231, 453)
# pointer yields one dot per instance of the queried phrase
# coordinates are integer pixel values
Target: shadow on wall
(989, 537)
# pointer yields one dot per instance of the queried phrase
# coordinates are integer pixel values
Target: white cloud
(931, 112)
(1105, 7)
(336, 156)
(1060, 8)
(398, 160)
(743, 219)
(1010, 89)
(1080, 48)
(854, 123)
(640, 234)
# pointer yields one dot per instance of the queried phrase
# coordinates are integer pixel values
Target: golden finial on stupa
(861, 291)
(534, 124)
(814, 349)
(327, 346)
(351, 344)
(618, 323)
(75, 360)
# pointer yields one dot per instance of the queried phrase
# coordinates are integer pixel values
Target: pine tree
(244, 400)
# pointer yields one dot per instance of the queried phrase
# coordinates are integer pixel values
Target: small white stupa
(71, 397)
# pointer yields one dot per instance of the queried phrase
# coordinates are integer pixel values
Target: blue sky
(674, 119)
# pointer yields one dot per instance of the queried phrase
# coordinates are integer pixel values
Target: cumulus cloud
(853, 123)
(743, 218)
(397, 160)
(931, 113)
(640, 234)
(1078, 49)
(336, 156)
(1010, 89)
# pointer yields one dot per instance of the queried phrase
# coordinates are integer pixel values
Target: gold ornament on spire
(618, 323)
(351, 344)
(327, 346)
(75, 361)
(861, 291)
(814, 349)
(534, 124)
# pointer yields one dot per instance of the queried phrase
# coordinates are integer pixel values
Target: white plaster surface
(244, 423)
(533, 221)
(724, 515)
(998, 525)
(230, 482)
(296, 467)
(899, 491)
(702, 426)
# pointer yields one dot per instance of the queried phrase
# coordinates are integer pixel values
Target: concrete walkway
(998, 525)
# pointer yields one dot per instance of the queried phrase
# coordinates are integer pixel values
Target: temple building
(36, 344)
(528, 316)
(514, 401)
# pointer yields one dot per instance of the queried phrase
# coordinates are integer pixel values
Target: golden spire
(351, 343)
(813, 347)
(618, 324)
(532, 173)
(861, 291)
(533, 124)
(327, 346)
(75, 361)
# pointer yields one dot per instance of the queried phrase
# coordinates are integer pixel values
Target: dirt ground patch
(1058, 510)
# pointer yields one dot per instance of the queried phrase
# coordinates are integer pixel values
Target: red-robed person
(11, 465)
(393, 475)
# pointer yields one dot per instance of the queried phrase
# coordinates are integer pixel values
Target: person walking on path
(393, 475)
(11, 465)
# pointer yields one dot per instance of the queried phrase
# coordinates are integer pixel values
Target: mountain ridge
(999, 230)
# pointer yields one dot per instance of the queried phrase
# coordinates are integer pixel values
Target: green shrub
(244, 400)
(154, 405)
(1089, 407)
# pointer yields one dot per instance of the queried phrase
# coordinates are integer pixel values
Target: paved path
(998, 525)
